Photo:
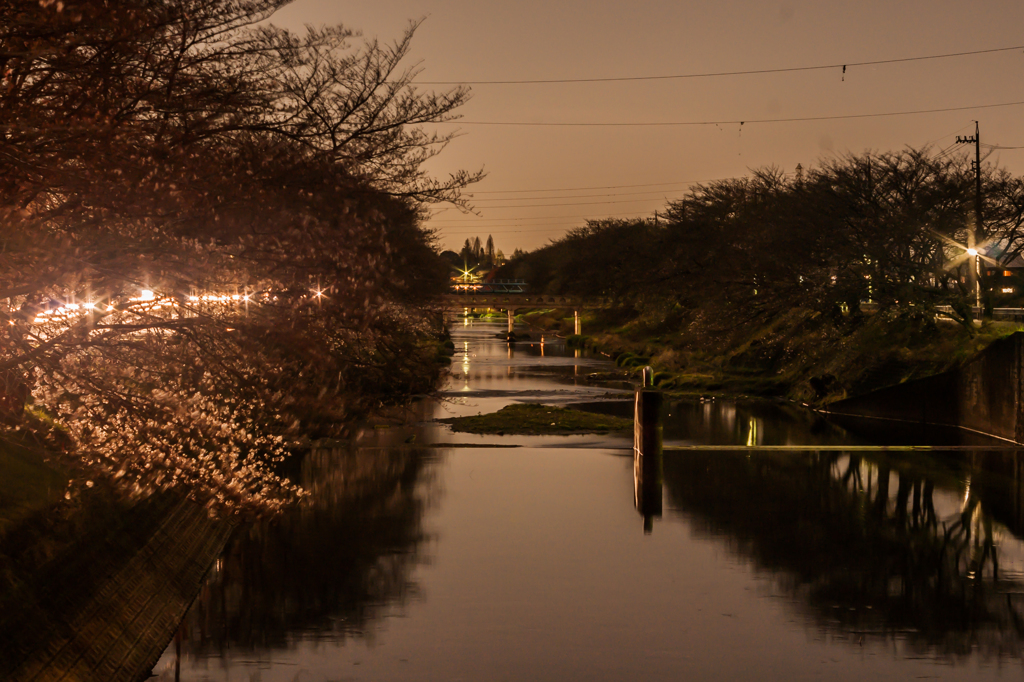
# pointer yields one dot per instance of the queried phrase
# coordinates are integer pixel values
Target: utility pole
(972, 234)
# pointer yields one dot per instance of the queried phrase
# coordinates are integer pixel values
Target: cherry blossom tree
(210, 239)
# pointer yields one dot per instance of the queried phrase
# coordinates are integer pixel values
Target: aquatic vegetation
(535, 419)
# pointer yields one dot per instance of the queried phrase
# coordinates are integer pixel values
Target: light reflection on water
(530, 563)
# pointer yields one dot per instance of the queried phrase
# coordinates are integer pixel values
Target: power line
(652, 184)
(444, 225)
(800, 119)
(715, 74)
(433, 223)
(578, 203)
(946, 151)
(500, 232)
(502, 229)
(949, 134)
(690, 184)
(545, 227)
(575, 189)
(474, 200)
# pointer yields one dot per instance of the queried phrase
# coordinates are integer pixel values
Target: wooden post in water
(647, 451)
(576, 326)
(511, 335)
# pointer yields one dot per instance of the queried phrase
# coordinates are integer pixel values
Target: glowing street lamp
(973, 256)
(466, 275)
(974, 270)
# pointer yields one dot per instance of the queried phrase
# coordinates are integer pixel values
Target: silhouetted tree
(766, 274)
(187, 148)
(468, 256)
(886, 227)
(489, 250)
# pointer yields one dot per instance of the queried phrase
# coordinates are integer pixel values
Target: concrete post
(647, 453)
(511, 320)
(576, 326)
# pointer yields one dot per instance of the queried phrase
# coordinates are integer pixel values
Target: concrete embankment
(106, 606)
(985, 395)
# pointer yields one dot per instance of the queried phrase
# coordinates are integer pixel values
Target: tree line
(477, 255)
(889, 228)
(156, 154)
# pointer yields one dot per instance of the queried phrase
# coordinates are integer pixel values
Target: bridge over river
(511, 295)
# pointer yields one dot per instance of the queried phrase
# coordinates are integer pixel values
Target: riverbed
(789, 549)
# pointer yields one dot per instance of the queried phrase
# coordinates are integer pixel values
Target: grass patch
(27, 484)
(532, 419)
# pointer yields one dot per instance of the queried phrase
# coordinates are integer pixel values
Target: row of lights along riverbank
(149, 301)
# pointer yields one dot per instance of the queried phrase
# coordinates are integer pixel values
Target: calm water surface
(473, 561)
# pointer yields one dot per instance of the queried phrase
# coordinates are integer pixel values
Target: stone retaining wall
(984, 395)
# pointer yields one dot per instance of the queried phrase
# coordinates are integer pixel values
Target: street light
(975, 274)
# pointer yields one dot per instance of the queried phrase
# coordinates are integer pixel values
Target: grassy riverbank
(797, 355)
(759, 284)
(28, 483)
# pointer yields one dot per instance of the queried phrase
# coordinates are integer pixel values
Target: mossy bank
(798, 355)
(533, 419)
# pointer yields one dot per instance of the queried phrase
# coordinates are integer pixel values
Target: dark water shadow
(327, 569)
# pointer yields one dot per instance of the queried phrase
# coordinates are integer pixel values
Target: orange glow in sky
(544, 180)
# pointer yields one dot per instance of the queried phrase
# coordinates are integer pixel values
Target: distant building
(1006, 282)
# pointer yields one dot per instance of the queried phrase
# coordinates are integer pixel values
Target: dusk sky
(544, 180)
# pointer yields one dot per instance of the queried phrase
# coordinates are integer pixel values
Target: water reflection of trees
(329, 567)
(748, 422)
(872, 547)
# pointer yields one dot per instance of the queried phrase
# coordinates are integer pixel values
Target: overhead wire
(446, 225)
(949, 134)
(689, 184)
(500, 232)
(575, 189)
(741, 122)
(716, 74)
(946, 151)
(548, 217)
(507, 226)
(543, 227)
(581, 203)
(475, 201)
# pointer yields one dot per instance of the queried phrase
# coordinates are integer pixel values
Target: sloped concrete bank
(984, 395)
(106, 606)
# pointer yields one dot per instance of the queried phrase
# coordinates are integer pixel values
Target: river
(425, 554)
